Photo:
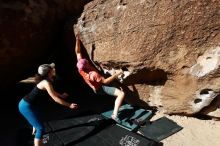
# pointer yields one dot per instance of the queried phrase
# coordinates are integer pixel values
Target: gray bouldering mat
(160, 129)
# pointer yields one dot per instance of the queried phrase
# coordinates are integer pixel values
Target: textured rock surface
(171, 48)
(29, 29)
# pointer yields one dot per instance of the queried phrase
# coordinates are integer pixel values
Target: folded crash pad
(127, 114)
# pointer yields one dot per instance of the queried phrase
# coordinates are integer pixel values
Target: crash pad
(160, 129)
(117, 136)
(127, 114)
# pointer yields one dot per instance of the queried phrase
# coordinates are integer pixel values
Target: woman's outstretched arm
(77, 47)
(55, 96)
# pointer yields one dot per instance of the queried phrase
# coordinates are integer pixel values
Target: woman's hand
(73, 106)
(119, 72)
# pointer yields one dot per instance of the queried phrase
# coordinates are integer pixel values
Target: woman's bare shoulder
(43, 84)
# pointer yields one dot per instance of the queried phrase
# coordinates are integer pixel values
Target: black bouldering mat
(51, 139)
(75, 134)
(68, 123)
(160, 129)
(73, 130)
(127, 114)
(116, 136)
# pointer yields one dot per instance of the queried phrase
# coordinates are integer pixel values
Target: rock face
(29, 29)
(171, 49)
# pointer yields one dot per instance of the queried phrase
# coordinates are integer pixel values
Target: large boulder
(170, 48)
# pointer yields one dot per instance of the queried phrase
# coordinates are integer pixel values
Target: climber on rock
(98, 83)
